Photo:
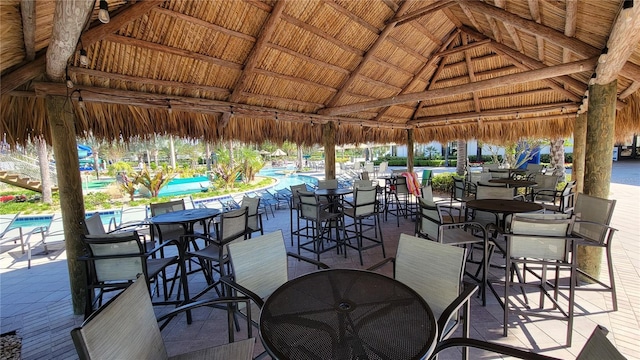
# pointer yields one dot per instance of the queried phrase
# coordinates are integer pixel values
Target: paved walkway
(36, 302)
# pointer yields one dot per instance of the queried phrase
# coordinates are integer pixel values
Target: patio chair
(490, 192)
(593, 216)
(426, 177)
(435, 272)
(597, 347)
(212, 257)
(400, 202)
(546, 189)
(9, 233)
(162, 233)
(294, 211)
(126, 328)
(562, 201)
(539, 242)
(260, 267)
(254, 216)
(267, 202)
(114, 261)
(321, 218)
(53, 232)
(363, 208)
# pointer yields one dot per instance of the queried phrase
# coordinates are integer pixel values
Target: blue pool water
(28, 222)
(286, 178)
(184, 186)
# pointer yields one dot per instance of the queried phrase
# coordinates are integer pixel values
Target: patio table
(187, 218)
(347, 314)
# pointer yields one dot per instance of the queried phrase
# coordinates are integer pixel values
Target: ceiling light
(84, 60)
(69, 82)
(103, 14)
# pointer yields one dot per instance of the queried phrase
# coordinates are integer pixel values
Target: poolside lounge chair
(9, 233)
(54, 232)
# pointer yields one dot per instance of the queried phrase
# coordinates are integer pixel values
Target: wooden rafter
(23, 74)
(434, 58)
(510, 29)
(370, 53)
(429, 9)
(512, 111)
(446, 123)
(256, 53)
(527, 76)
(322, 34)
(122, 18)
(630, 90)
(204, 24)
(197, 105)
(472, 75)
(467, 12)
(623, 41)
(570, 24)
(28, 12)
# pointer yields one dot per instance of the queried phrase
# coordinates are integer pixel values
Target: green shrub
(119, 166)
(442, 182)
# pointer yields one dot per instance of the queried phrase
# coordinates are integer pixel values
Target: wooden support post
(598, 159)
(329, 142)
(410, 156)
(579, 144)
(63, 133)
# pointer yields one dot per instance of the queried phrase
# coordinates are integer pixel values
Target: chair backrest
(93, 225)
(491, 192)
(426, 192)
(233, 225)
(368, 167)
(568, 197)
(534, 168)
(364, 199)
(252, 204)
(328, 184)
(486, 168)
(295, 198)
(365, 175)
(546, 182)
(384, 167)
(475, 177)
(260, 264)
(309, 205)
(541, 236)
(401, 185)
(125, 328)
(429, 220)
(426, 177)
(362, 183)
(165, 207)
(432, 269)
(592, 209)
(599, 347)
(495, 174)
(117, 256)
(188, 202)
(5, 223)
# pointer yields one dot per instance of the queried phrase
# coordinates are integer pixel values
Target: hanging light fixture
(103, 14)
(68, 78)
(80, 101)
(84, 60)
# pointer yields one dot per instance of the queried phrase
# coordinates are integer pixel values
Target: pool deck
(36, 302)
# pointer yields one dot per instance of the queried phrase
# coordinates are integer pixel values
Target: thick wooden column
(329, 142)
(63, 133)
(410, 150)
(598, 159)
(579, 147)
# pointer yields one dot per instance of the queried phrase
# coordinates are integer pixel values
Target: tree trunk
(557, 158)
(232, 159)
(45, 174)
(208, 150)
(598, 159)
(410, 152)
(96, 161)
(299, 164)
(61, 122)
(329, 142)
(579, 145)
(461, 164)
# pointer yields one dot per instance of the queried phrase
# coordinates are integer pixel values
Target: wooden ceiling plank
(22, 74)
(465, 47)
(205, 24)
(467, 12)
(422, 29)
(128, 14)
(495, 30)
(171, 50)
(527, 76)
(521, 110)
(28, 12)
(135, 79)
(427, 10)
(407, 49)
(623, 41)
(190, 104)
(392, 5)
(292, 79)
(346, 84)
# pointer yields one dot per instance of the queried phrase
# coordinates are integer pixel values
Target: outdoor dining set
(500, 233)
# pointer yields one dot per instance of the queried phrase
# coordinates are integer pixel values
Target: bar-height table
(187, 218)
(347, 314)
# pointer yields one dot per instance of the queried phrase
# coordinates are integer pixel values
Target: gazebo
(318, 72)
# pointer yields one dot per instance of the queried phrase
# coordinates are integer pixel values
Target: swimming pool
(29, 222)
(286, 179)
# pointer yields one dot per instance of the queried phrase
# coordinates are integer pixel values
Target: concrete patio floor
(36, 302)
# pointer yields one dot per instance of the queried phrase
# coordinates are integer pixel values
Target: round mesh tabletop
(503, 206)
(347, 314)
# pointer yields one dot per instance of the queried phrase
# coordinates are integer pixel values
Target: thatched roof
(257, 70)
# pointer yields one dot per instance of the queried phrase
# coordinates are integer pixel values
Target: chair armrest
(228, 280)
(609, 231)
(382, 263)
(311, 261)
(211, 303)
(160, 247)
(484, 345)
(469, 290)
